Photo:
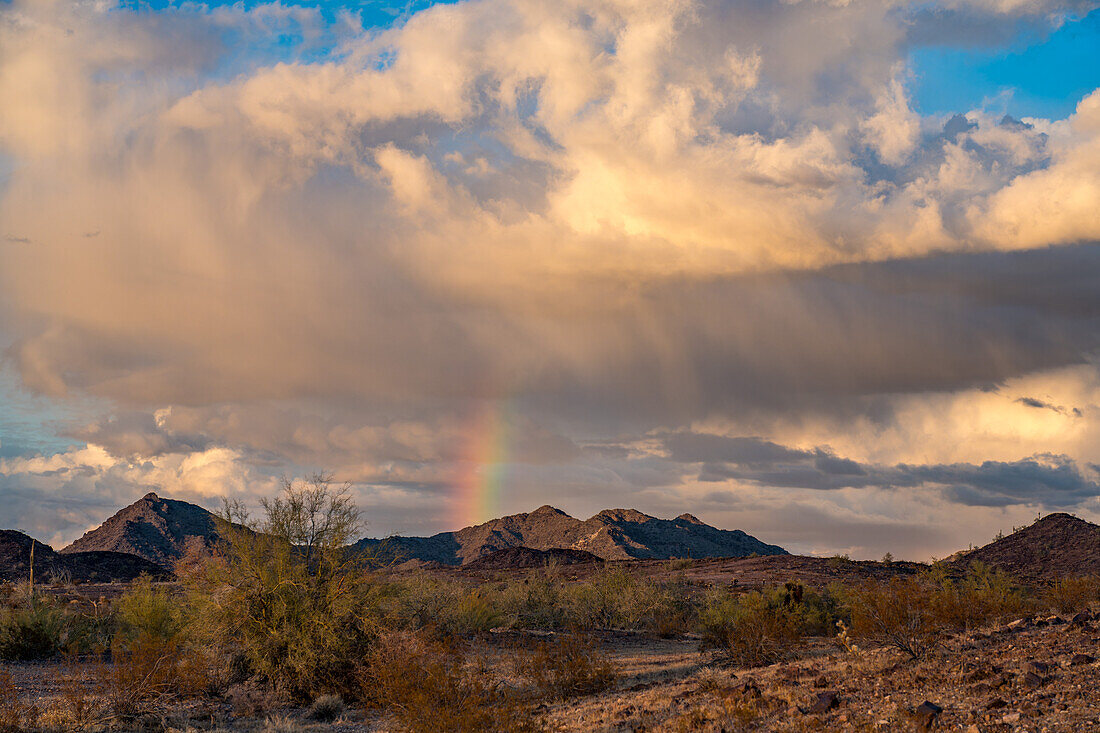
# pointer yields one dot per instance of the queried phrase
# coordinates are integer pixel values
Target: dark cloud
(688, 447)
(1047, 480)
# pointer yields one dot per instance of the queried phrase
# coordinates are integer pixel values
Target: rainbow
(480, 471)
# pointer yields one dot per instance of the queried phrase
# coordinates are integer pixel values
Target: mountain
(158, 530)
(613, 534)
(1056, 545)
(81, 567)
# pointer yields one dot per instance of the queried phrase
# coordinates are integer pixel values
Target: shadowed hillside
(77, 566)
(1055, 546)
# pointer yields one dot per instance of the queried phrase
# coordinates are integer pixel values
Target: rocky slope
(613, 534)
(1056, 545)
(158, 530)
(80, 567)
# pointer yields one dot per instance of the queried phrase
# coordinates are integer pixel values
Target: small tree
(287, 588)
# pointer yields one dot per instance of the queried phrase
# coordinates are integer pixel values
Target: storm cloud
(652, 248)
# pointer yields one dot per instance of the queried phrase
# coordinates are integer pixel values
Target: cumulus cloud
(602, 219)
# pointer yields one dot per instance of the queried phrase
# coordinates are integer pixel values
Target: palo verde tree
(287, 590)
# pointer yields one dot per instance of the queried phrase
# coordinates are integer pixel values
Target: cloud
(1044, 480)
(603, 219)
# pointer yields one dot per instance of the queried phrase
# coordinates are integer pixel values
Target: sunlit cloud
(614, 222)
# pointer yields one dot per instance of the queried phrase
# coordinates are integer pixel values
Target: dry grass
(15, 714)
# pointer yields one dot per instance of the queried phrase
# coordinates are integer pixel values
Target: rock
(1079, 659)
(1041, 667)
(1054, 620)
(1033, 680)
(996, 704)
(1019, 624)
(821, 681)
(1080, 619)
(926, 713)
(825, 702)
(1011, 718)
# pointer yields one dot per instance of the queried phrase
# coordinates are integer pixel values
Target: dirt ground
(1031, 677)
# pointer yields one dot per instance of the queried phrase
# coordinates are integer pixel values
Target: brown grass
(15, 714)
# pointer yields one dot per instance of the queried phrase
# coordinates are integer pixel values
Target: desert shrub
(429, 687)
(32, 630)
(1068, 595)
(982, 596)
(751, 629)
(568, 666)
(534, 602)
(443, 606)
(149, 611)
(617, 599)
(900, 612)
(286, 590)
(326, 708)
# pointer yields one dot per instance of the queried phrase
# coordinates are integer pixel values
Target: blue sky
(1036, 75)
(1033, 77)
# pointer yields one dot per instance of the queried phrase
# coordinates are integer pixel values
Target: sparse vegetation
(284, 628)
(899, 612)
(430, 687)
(567, 667)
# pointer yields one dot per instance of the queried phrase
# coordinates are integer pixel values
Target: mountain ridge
(163, 530)
(611, 534)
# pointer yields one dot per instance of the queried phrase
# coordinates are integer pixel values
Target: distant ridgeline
(151, 534)
(613, 534)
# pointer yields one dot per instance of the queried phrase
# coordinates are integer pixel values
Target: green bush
(982, 596)
(33, 630)
(287, 592)
(148, 610)
(617, 599)
(1072, 594)
(752, 629)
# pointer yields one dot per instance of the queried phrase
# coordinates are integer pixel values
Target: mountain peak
(159, 530)
(548, 511)
(624, 515)
(685, 517)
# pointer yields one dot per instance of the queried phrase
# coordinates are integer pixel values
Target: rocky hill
(1056, 545)
(158, 530)
(613, 534)
(80, 567)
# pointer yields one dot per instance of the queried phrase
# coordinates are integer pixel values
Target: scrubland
(282, 630)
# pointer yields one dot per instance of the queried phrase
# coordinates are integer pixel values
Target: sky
(826, 271)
